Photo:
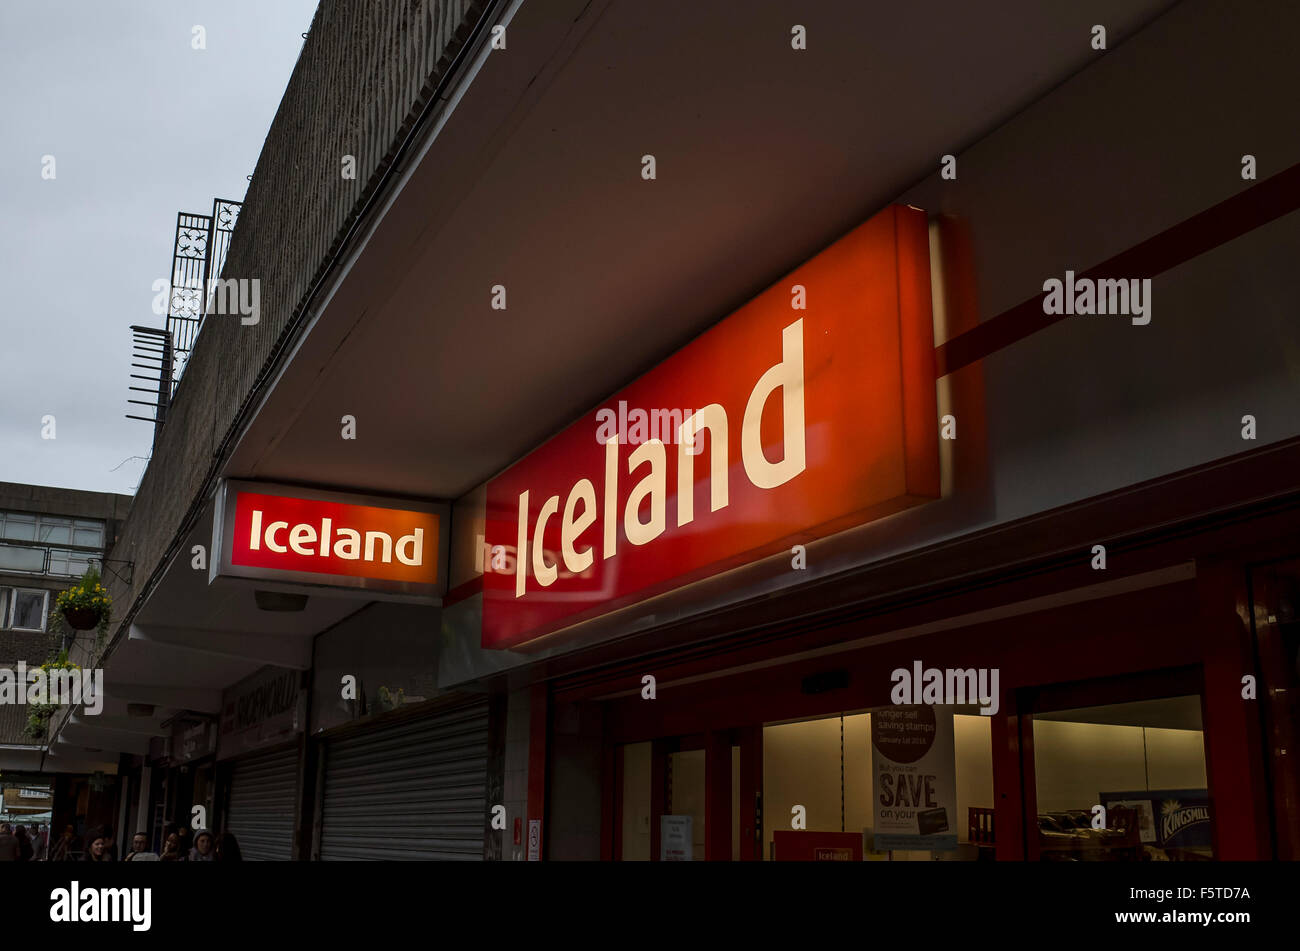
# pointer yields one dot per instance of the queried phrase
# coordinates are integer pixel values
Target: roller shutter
(263, 804)
(414, 790)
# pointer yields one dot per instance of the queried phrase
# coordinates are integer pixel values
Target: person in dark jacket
(228, 848)
(9, 848)
(24, 844)
(68, 846)
(110, 843)
(172, 850)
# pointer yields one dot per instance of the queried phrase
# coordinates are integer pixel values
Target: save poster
(915, 778)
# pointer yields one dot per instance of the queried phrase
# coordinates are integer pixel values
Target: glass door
(670, 790)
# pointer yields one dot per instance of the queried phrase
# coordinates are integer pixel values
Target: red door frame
(1276, 691)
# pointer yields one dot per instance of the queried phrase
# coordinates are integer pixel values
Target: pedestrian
(228, 848)
(110, 844)
(140, 849)
(25, 850)
(172, 850)
(41, 843)
(9, 848)
(68, 848)
(98, 850)
(203, 843)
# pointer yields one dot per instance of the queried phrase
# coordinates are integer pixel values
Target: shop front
(909, 463)
(830, 608)
(259, 752)
(398, 767)
(1139, 718)
(191, 777)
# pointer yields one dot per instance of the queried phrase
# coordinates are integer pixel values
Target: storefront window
(825, 766)
(1122, 782)
(686, 795)
(636, 802)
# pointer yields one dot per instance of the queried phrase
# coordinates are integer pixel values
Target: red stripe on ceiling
(463, 592)
(1230, 219)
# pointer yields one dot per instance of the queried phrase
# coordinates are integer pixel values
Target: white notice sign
(915, 784)
(675, 838)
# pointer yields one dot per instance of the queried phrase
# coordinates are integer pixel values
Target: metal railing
(198, 255)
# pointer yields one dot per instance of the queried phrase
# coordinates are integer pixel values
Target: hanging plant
(39, 714)
(87, 605)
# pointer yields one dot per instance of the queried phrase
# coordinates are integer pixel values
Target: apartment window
(51, 530)
(24, 609)
(17, 527)
(86, 534)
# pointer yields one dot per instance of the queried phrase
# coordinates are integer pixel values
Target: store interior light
(279, 601)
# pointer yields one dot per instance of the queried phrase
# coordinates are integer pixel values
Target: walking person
(68, 847)
(203, 847)
(41, 843)
(140, 849)
(98, 849)
(228, 848)
(172, 850)
(9, 849)
(25, 850)
(110, 844)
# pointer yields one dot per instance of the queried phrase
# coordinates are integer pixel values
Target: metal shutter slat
(263, 799)
(409, 792)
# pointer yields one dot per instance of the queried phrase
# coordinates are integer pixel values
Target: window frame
(12, 607)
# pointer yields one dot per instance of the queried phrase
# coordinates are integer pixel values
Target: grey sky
(141, 126)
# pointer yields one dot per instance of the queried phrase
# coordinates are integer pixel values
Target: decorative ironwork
(198, 255)
(222, 221)
(202, 242)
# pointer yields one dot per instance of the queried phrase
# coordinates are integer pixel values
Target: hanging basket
(81, 619)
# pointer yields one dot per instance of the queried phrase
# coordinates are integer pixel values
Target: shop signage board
(262, 710)
(675, 839)
(193, 739)
(313, 538)
(809, 410)
(913, 759)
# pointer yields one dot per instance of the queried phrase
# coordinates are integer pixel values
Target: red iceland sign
(809, 410)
